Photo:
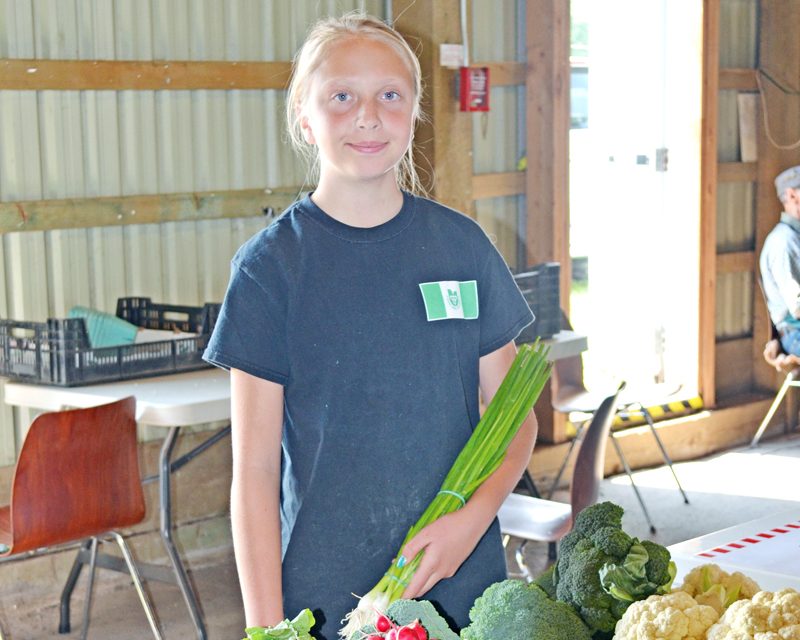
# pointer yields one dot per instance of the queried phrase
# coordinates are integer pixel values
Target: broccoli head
(601, 569)
(514, 610)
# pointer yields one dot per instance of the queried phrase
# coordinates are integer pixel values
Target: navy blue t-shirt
(379, 400)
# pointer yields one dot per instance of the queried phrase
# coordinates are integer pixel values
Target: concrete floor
(723, 490)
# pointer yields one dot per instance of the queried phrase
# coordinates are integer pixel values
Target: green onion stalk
(479, 458)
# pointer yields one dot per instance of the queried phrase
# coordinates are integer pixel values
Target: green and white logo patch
(450, 299)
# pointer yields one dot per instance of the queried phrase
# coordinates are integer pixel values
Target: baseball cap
(789, 179)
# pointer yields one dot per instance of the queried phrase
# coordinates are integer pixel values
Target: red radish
(419, 630)
(406, 633)
(391, 634)
(375, 637)
(383, 624)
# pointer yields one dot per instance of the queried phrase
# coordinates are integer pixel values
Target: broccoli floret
(603, 515)
(598, 516)
(513, 610)
(404, 612)
(658, 565)
(611, 541)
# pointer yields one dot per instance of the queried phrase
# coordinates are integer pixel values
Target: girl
(352, 392)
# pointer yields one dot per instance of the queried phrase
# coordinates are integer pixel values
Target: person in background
(780, 263)
(351, 397)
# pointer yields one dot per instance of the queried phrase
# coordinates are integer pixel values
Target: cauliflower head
(672, 616)
(709, 584)
(768, 616)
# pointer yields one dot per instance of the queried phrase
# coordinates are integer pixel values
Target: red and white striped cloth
(749, 541)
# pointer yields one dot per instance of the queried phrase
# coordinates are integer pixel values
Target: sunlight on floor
(770, 475)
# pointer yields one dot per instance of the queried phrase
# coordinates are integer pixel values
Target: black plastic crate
(539, 285)
(57, 352)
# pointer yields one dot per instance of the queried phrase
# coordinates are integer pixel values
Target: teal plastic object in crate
(540, 287)
(104, 329)
(58, 352)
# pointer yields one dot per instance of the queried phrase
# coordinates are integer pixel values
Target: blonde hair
(320, 38)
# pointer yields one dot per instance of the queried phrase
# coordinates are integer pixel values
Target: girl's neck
(359, 205)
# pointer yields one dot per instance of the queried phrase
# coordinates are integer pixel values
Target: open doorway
(635, 191)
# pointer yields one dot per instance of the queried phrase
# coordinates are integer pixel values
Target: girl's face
(359, 111)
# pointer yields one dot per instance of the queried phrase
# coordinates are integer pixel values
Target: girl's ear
(305, 127)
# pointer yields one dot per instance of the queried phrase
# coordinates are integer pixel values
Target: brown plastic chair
(570, 395)
(77, 479)
(536, 519)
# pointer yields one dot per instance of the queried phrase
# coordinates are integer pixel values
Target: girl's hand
(447, 542)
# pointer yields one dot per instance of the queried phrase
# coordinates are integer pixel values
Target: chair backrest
(590, 461)
(77, 476)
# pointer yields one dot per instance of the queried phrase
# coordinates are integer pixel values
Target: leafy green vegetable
(404, 612)
(296, 629)
(514, 610)
(601, 569)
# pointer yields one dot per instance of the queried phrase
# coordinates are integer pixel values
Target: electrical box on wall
(474, 88)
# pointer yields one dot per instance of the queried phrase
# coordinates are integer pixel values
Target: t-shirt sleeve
(503, 310)
(250, 332)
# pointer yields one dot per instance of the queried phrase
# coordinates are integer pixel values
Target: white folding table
(766, 549)
(171, 401)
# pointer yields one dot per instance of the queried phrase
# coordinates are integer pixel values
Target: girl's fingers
(422, 582)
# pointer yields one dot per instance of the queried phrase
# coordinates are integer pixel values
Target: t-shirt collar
(793, 222)
(379, 233)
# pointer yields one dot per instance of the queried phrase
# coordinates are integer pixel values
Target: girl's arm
(449, 540)
(257, 423)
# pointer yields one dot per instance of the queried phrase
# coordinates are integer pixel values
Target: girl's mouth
(368, 147)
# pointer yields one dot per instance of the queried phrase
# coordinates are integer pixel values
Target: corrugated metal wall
(497, 35)
(59, 144)
(736, 201)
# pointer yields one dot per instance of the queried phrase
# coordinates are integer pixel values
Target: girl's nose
(368, 116)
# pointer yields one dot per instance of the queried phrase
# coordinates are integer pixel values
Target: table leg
(165, 513)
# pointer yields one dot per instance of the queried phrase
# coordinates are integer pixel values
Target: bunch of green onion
(481, 456)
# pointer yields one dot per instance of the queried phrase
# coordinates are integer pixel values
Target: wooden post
(547, 178)
(708, 204)
(547, 120)
(443, 144)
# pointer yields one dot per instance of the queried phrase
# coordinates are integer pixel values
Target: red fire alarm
(474, 88)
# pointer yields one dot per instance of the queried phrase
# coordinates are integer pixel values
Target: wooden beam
(124, 75)
(708, 203)
(738, 79)
(494, 185)
(76, 213)
(737, 171)
(443, 144)
(547, 120)
(503, 74)
(547, 97)
(736, 261)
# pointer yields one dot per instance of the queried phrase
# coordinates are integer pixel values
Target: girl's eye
(341, 97)
(390, 95)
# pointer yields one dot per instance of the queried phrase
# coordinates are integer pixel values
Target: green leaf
(295, 629)
(628, 581)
